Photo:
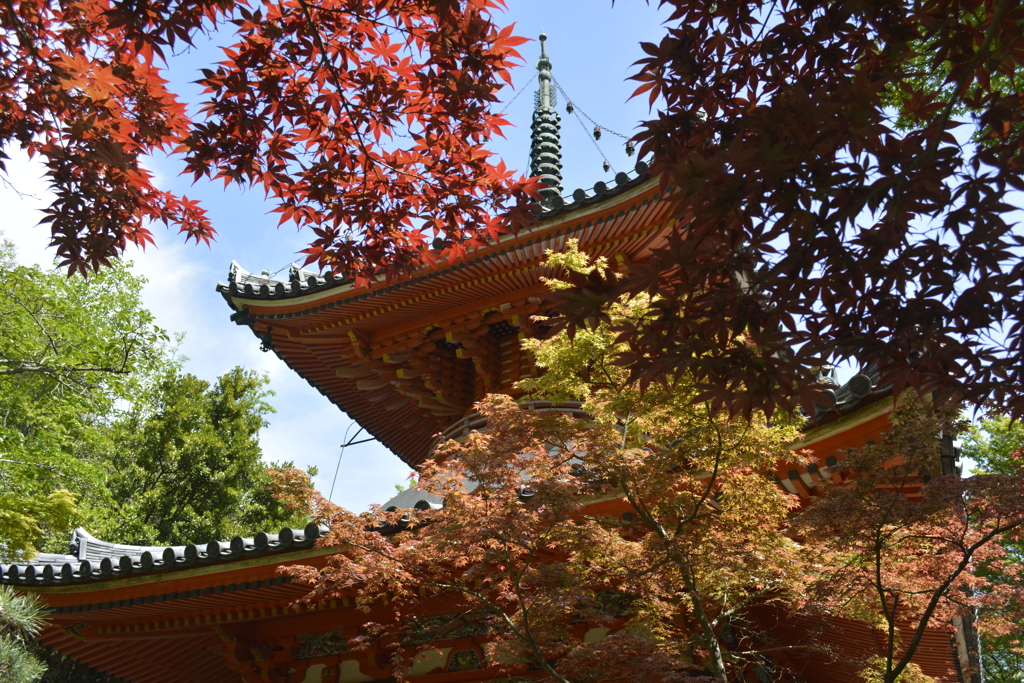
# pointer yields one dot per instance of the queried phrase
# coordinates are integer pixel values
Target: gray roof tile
(90, 559)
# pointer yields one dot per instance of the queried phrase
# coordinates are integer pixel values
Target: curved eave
(319, 289)
(213, 575)
(310, 332)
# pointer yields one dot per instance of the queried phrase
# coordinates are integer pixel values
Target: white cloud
(24, 193)
(307, 428)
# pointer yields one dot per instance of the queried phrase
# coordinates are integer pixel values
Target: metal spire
(545, 145)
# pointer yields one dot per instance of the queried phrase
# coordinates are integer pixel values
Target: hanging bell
(568, 107)
(597, 132)
(630, 149)
(606, 166)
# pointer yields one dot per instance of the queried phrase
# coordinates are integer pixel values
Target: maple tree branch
(941, 590)
(749, 599)
(36, 315)
(739, 655)
(891, 635)
(14, 188)
(23, 367)
(718, 461)
(31, 464)
(983, 49)
(336, 77)
(532, 641)
(612, 383)
(710, 638)
(23, 37)
(641, 508)
(764, 22)
(357, 15)
(879, 586)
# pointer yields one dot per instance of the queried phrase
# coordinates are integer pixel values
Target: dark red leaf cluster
(817, 231)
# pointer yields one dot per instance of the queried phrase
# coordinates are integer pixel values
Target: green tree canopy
(992, 443)
(186, 462)
(100, 426)
(70, 348)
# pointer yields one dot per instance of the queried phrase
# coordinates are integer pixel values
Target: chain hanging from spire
(545, 144)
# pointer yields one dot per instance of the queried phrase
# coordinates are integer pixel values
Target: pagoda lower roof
(90, 560)
(210, 623)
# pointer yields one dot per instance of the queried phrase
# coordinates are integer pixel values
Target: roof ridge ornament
(545, 141)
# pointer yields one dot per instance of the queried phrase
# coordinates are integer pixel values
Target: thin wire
(509, 105)
(274, 274)
(575, 107)
(587, 133)
(338, 466)
(343, 447)
(270, 275)
(576, 111)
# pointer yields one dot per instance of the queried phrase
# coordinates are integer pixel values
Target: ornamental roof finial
(545, 144)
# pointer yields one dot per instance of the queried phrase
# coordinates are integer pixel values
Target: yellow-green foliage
(24, 519)
(584, 369)
(571, 258)
(710, 514)
(874, 672)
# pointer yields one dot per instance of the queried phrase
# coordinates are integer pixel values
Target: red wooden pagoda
(407, 360)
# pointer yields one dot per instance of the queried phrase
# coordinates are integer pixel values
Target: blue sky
(592, 46)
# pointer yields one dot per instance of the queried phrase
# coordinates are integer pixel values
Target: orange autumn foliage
(362, 120)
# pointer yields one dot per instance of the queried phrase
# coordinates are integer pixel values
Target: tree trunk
(710, 637)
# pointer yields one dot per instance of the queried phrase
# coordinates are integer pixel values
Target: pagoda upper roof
(303, 282)
(364, 348)
(408, 358)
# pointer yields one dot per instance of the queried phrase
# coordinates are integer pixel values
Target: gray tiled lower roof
(90, 559)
